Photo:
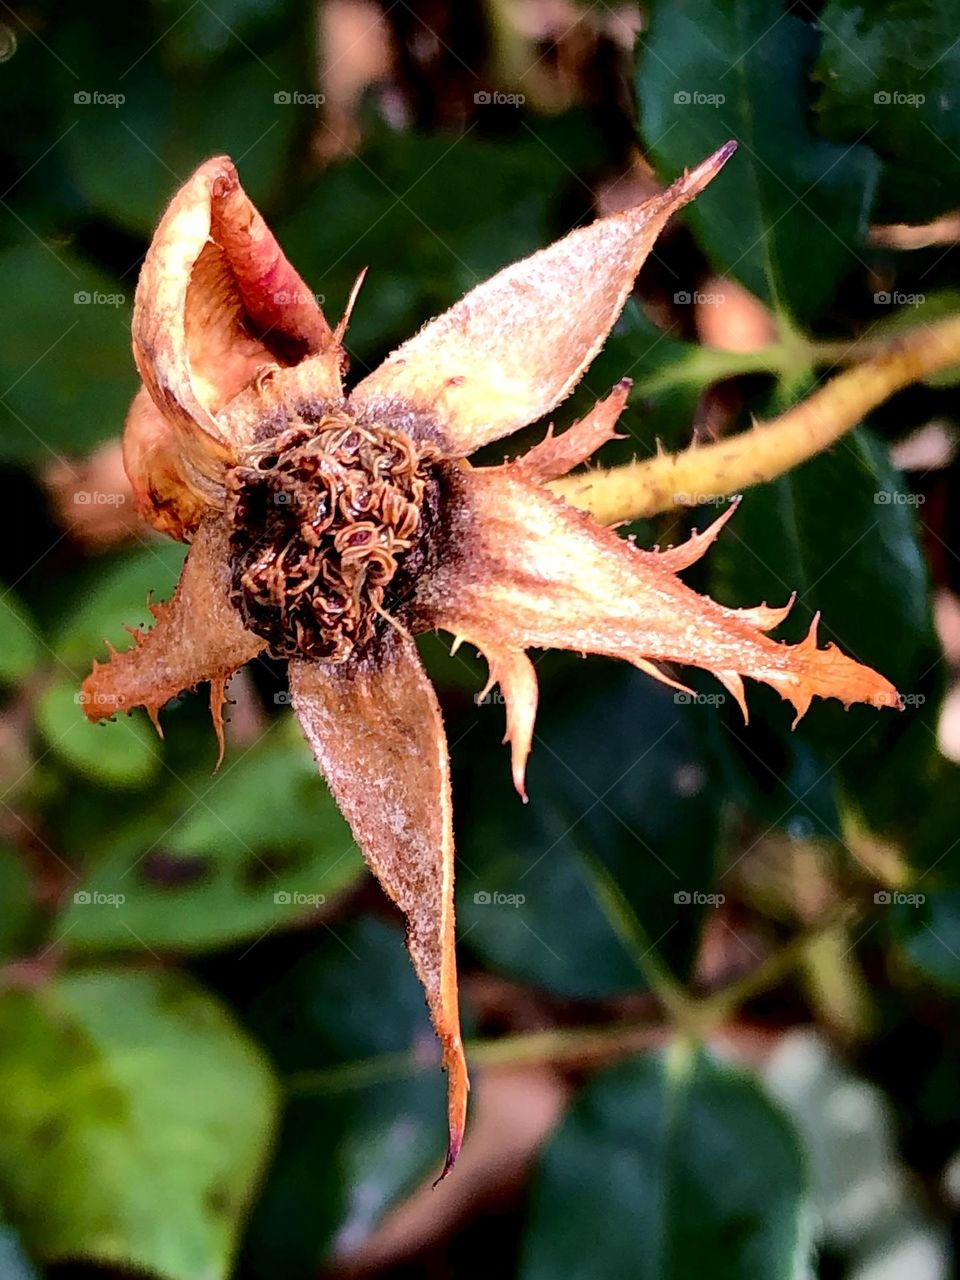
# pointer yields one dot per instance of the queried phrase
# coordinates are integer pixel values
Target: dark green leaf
(165, 128)
(889, 75)
(788, 215)
(841, 531)
(134, 1122)
(198, 34)
(349, 1147)
(114, 599)
(64, 353)
(461, 208)
(616, 778)
(127, 753)
(16, 903)
(927, 926)
(687, 1166)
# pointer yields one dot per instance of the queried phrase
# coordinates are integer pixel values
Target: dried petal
(197, 636)
(511, 350)
(523, 570)
(554, 456)
(513, 671)
(216, 301)
(162, 491)
(375, 728)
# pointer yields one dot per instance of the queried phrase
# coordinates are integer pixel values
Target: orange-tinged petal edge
(524, 571)
(198, 636)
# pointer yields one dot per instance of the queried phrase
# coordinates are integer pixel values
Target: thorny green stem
(706, 472)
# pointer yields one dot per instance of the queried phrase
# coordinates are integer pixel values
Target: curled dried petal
(376, 731)
(162, 491)
(517, 344)
(216, 301)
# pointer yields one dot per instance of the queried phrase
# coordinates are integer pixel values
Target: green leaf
(16, 904)
(257, 847)
(890, 72)
(927, 927)
(926, 830)
(174, 84)
(196, 35)
(788, 215)
(687, 1166)
(166, 128)
(21, 647)
(64, 353)
(124, 754)
(617, 778)
(114, 598)
(460, 208)
(155, 108)
(134, 1122)
(351, 1145)
(109, 600)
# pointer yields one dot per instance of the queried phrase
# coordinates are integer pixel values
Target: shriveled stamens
(327, 517)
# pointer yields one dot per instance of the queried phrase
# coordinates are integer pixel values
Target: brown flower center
(328, 523)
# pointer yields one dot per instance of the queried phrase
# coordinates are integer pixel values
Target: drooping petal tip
(376, 731)
(458, 1087)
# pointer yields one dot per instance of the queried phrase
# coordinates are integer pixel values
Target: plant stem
(558, 1045)
(707, 472)
(643, 950)
(581, 1045)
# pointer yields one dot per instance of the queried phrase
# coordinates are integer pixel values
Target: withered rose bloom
(329, 528)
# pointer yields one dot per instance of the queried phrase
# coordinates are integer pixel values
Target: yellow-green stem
(705, 473)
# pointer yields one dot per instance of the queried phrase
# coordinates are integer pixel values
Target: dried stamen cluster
(323, 516)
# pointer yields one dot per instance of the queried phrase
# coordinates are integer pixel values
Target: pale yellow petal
(516, 345)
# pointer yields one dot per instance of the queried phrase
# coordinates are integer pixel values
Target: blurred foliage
(891, 74)
(378, 1136)
(671, 1129)
(214, 1056)
(93, 1074)
(711, 72)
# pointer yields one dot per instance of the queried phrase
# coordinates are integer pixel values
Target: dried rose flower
(330, 528)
